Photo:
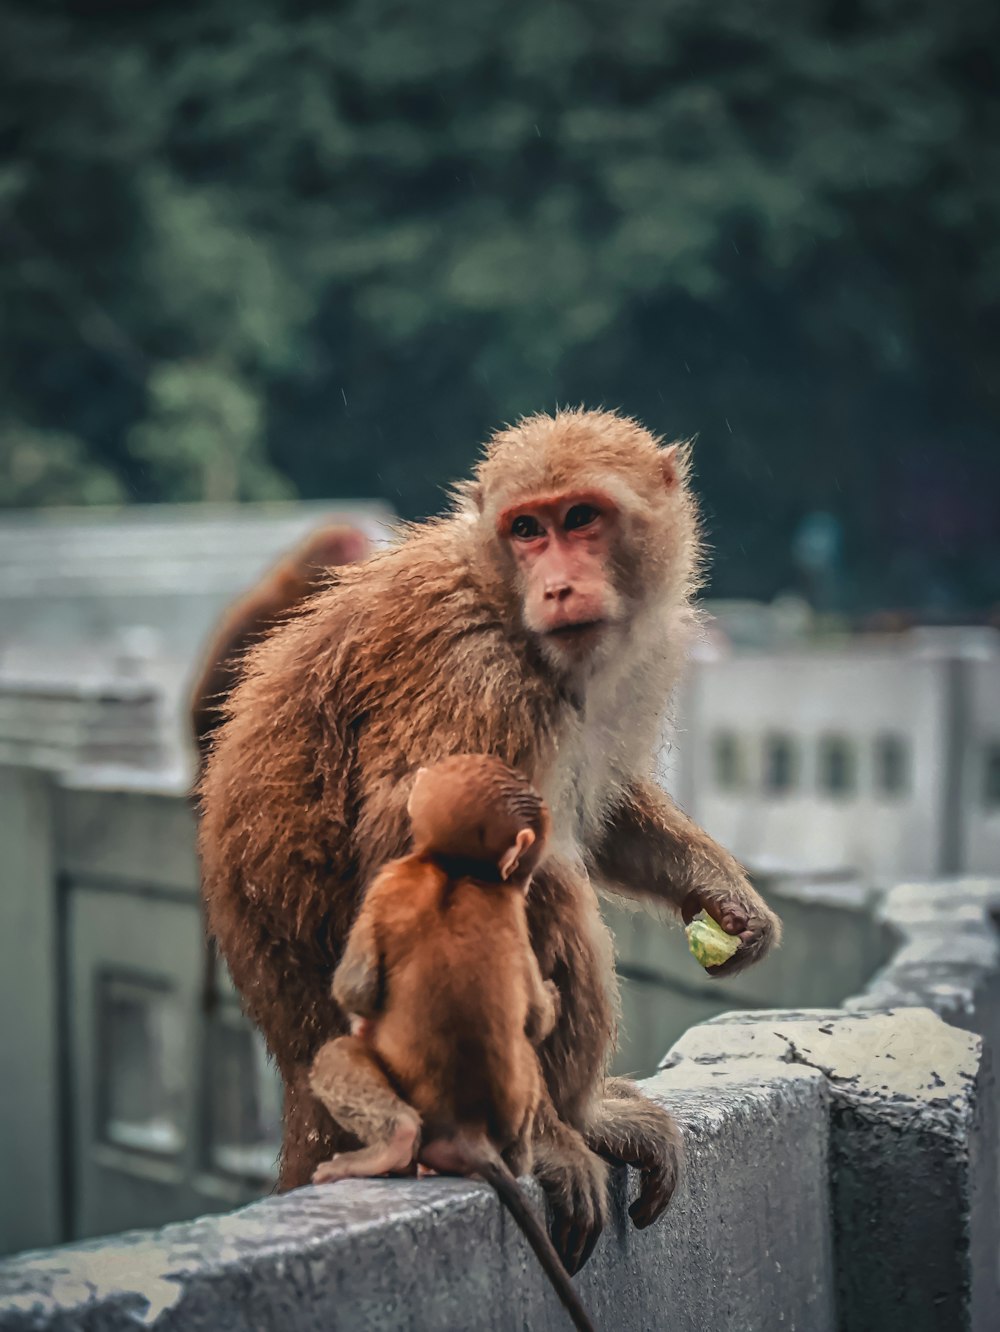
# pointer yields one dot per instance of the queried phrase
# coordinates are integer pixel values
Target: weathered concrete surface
(948, 958)
(738, 1249)
(913, 1148)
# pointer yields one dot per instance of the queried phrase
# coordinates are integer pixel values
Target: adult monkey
(544, 620)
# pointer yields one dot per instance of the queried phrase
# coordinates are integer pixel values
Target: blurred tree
(41, 467)
(202, 437)
(776, 225)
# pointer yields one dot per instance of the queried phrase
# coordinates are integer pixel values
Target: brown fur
(422, 654)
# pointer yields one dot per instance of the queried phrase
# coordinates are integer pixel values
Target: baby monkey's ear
(409, 803)
(511, 858)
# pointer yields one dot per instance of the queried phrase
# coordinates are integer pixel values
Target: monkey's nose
(558, 592)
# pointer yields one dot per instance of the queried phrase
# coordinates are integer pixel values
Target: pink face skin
(562, 548)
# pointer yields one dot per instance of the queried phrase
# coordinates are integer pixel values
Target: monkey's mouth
(578, 629)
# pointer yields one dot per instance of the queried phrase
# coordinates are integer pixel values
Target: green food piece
(708, 941)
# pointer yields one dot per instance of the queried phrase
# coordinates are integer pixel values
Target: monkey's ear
(670, 465)
(511, 858)
(675, 462)
(468, 497)
(416, 778)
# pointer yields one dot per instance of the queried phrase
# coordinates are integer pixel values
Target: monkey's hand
(552, 990)
(576, 1184)
(358, 983)
(631, 1130)
(742, 912)
(543, 1014)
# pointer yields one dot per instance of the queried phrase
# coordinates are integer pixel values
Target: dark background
(256, 250)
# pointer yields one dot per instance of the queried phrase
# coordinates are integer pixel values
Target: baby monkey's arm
(544, 1002)
(358, 982)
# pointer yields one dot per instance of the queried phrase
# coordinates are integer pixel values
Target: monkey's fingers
(575, 1182)
(760, 934)
(656, 1189)
(727, 912)
(574, 1240)
(633, 1130)
(577, 1223)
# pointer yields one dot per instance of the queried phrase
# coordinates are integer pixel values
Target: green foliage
(252, 241)
(202, 439)
(42, 467)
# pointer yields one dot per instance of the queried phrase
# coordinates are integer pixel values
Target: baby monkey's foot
(396, 1156)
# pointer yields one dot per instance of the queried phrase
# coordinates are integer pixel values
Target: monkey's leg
(576, 1183)
(630, 1129)
(309, 1134)
(353, 1087)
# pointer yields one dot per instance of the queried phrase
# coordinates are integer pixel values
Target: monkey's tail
(495, 1172)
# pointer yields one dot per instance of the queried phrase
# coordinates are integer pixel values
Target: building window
(244, 1099)
(141, 1081)
(727, 762)
(838, 766)
(991, 775)
(892, 765)
(781, 764)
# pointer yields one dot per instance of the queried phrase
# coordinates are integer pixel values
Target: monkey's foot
(576, 1184)
(394, 1157)
(634, 1131)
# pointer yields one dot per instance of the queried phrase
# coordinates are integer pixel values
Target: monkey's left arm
(652, 849)
(358, 982)
(543, 1005)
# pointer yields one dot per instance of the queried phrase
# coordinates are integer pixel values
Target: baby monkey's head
(473, 807)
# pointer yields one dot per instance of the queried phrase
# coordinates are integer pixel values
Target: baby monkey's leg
(351, 1084)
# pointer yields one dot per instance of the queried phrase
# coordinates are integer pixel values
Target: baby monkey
(446, 999)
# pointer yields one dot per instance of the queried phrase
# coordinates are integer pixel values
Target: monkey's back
(456, 1004)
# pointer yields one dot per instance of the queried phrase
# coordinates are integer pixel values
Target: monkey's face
(562, 548)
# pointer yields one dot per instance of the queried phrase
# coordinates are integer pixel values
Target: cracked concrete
(913, 1150)
(737, 1249)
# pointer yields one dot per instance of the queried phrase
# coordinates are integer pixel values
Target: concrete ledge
(913, 1145)
(948, 954)
(738, 1249)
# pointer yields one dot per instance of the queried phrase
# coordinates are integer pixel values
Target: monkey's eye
(581, 515)
(526, 528)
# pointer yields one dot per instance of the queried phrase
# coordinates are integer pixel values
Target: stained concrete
(739, 1248)
(913, 1149)
(948, 954)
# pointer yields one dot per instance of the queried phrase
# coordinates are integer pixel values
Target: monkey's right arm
(652, 849)
(359, 981)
